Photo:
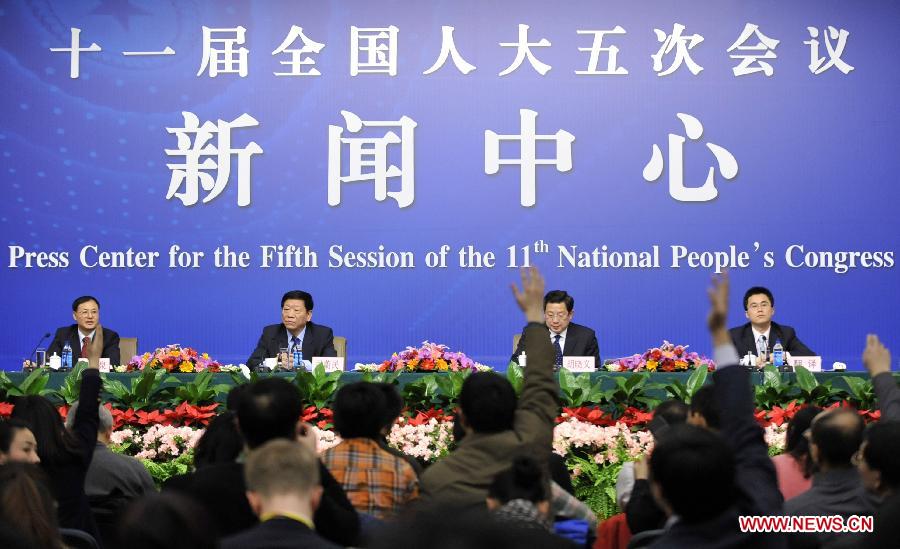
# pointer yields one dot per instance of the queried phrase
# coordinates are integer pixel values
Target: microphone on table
(43, 337)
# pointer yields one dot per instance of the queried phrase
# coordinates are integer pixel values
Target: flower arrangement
(174, 358)
(158, 443)
(427, 437)
(430, 357)
(665, 358)
(604, 444)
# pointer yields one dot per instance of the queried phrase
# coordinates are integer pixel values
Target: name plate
(811, 363)
(104, 365)
(579, 363)
(270, 363)
(331, 363)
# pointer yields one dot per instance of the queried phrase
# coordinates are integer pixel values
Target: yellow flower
(205, 355)
(681, 365)
(651, 365)
(186, 367)
(441, 364)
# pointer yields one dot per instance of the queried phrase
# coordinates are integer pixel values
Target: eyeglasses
(755, 306)
(557, 316)
(856, 458)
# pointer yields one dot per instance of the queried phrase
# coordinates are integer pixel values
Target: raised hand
(876, 357)
(531, 298)
(718, 308)
(96, 348)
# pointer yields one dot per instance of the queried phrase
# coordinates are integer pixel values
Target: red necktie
(85, 347)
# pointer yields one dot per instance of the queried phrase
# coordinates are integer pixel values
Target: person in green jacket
(498, 426)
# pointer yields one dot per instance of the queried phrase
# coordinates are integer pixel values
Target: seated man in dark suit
(296, 330)
(86, 312)
(760, 334)
(568, 338)
(283, 489)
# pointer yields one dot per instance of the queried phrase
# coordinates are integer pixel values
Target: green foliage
(449, 387)
(70, 389)
(144, 392)
(317, 387)
(686, 391)
(633, 391)
(199, 391)
(595, 484)
(237, 378)
(515, 377)
(382, 377)
(422, 393)
(809, 389)
(861, 392)
(162, 471)
(774, 391)
(577, 389)
(34, 384)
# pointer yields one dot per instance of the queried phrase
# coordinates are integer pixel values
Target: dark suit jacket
(221, 489)
(754, 474)
(580, 341)
(318, 341)
(743, 339)
(277, 533)
(70, 334)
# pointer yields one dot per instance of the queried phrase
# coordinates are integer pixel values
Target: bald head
(835, 437)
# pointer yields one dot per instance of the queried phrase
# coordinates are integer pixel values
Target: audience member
(283, 503)
(26, 504)
(794, 467)
(705, 409)
(435, 528)
(877, 360)
(377, 482)
(668, 413)
(221, 442)
(497, 426)
(268, 409)
(393, 408)
(111, 476)
(703, 479)
(879, 468)
(17, 443)
(66, 456)
(519, 496)
(836, 489)
(166, 521)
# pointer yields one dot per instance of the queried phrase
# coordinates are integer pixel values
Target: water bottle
(67, 357)
(778, 354)
(298, 357)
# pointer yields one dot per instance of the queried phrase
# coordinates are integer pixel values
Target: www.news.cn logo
(806, 524)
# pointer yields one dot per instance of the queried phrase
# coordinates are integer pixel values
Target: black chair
(78, 539)
(645, 538)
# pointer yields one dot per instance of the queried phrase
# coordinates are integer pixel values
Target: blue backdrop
(83, 162)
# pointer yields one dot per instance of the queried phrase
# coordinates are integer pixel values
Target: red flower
(592, 415)
(63, 411)
(426, 416)
(760, 416)
(122, 417)
(779, 415)
(189, 414)
(152, 417)
(6, 409)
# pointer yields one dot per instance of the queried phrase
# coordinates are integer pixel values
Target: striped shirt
(377, 482)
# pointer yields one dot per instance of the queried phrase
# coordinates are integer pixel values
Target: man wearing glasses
(296, 332)
(568, 338)
(760, 334)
